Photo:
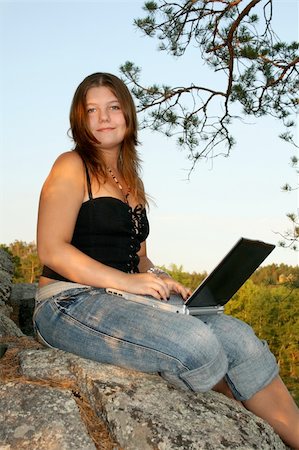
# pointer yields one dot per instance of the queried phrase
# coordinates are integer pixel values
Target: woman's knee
(202, 361)
(251, 363)
(197, 345)
(238, 339)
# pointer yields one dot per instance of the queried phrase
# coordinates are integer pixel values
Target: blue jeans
(189, 352)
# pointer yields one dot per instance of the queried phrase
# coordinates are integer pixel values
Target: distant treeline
(26, 262)
(272, 275)
(268, 301)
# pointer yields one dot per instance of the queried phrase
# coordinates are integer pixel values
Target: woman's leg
(109, 329)
(223, 388)
(187, 352)
(252, 377)
(275, 404)
(251, 365)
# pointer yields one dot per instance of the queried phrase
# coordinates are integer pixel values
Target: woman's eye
(91, 110)
(115, 107)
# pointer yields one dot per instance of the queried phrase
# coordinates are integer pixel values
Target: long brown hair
(86, 144)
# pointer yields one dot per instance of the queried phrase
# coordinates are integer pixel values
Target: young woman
(92, 230)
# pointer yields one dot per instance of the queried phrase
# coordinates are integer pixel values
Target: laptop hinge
(195, 311)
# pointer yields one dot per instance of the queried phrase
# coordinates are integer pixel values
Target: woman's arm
(61, 198)
(144, 262)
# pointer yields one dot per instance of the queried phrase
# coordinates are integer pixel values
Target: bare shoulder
(67, 174)
(68, 166)
(68, 160)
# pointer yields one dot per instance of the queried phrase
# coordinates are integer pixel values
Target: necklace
(125, 196)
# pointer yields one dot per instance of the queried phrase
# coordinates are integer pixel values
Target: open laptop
(218, 287)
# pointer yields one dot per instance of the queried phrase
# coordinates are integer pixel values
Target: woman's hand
(147, 284)
(157, 286)
(158, 289)
(176, 287)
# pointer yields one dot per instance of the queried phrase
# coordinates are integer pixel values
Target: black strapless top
(109, 231)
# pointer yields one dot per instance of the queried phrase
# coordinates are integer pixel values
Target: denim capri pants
(189, 352)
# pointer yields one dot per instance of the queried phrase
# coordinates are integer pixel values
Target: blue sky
(48, 47)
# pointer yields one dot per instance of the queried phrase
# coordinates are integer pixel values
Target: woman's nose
(104, 115)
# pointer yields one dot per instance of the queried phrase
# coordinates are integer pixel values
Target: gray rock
(40, 418)
(8, 327)
(22, 292)
(56, 365)
(6, 275)
(48, 365)
(143, 412)
(5, 309)
(22, 300)
(6, 262)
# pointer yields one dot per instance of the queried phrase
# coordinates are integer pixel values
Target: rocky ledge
(50, 399)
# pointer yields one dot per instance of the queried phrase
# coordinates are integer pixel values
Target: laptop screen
(229, 275)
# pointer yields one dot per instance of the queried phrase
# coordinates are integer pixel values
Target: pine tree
(257, 76)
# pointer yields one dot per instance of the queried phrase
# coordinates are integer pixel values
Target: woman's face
(105, 118)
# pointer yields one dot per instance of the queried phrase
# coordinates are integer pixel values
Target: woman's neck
(111, 159)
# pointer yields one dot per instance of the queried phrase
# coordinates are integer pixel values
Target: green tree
(258, 75)
(26, 262)
(191, 280)
(275, 274)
